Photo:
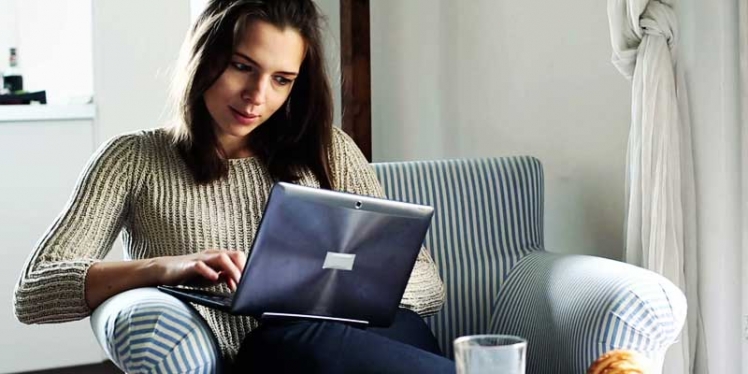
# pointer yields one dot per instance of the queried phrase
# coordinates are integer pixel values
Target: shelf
(35, 113)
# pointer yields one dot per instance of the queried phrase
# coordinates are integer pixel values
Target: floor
(103, 368)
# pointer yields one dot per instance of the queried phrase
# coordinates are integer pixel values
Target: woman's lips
(244, 118)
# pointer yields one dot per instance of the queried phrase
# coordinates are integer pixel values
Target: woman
(254, 108)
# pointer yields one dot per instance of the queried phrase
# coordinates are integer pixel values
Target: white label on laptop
(339, 261)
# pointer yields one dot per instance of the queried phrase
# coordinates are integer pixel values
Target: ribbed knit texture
(138, 185)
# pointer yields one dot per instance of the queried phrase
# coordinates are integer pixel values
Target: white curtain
(660, 211)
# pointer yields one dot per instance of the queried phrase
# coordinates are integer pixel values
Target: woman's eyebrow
(289, 73)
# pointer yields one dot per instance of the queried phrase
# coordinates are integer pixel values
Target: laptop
(325, 254)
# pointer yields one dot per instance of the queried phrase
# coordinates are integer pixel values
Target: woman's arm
(51, 285)
(106, 279)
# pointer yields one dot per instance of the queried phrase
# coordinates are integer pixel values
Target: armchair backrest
(488, 215)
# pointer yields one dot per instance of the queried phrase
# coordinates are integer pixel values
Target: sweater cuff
(53, 292)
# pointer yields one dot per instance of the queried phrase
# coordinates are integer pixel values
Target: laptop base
(272, 317)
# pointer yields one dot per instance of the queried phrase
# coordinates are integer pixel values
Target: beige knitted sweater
(138, 185)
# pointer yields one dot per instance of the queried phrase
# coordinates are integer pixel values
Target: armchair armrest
(572, 309)
(147, 331)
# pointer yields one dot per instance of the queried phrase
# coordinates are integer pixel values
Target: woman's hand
(212, 265)
(108, 278)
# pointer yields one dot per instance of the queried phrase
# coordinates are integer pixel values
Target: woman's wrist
(153, 271)
(106, 279)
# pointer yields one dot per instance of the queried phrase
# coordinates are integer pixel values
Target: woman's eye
(241, 67)
(282, 81)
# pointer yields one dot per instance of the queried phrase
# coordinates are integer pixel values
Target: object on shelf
(24, 98)
(12, 78)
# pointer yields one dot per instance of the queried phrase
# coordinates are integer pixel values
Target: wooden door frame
(355, 62)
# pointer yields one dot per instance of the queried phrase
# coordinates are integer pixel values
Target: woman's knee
(410, 328)
(147, 330)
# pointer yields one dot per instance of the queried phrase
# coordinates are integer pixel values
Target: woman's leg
(303, 346)
(410, 329)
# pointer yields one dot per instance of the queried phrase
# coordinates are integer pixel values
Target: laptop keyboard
(221, 299)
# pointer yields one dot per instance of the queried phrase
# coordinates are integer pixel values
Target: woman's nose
(255, 90)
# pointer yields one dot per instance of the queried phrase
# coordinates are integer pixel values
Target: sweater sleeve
(51, 285)
(352, 173)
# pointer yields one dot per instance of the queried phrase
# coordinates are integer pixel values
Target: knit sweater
(138, 185)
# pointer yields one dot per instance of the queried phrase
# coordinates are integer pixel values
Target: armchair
(487, 240)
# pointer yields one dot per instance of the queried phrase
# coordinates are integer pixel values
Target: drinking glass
(484, 354)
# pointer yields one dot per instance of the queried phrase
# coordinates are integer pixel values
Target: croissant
(621, 362)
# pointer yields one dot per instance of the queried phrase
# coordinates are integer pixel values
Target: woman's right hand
(212, 265)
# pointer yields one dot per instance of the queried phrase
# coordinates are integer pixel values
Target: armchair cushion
(572, 309)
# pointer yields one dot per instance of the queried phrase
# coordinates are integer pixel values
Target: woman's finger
(239, 259)
(222, 261)
(206, 271)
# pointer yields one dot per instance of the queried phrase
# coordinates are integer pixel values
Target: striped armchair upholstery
(487, 239)
(487, 217)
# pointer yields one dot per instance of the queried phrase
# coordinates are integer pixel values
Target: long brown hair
(297, 136)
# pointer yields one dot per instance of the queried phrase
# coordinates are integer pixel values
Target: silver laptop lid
(325, 253)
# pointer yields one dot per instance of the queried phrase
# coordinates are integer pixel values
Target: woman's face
(259, 78)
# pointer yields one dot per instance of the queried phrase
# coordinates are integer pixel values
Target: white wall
(409, 62)
(506, 78)
(8, 30)
(709, 57)
(133, 50)
(136, 44)
(331, 31)
(196, 7)
(53, 39)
